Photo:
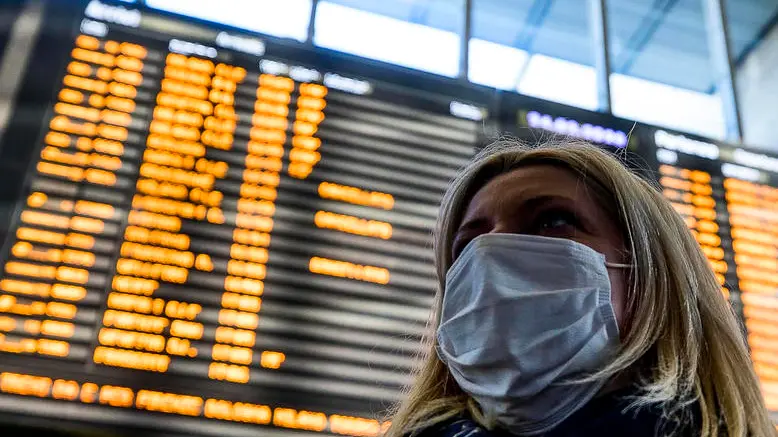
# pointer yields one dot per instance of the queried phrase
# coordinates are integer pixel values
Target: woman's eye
(555, 221)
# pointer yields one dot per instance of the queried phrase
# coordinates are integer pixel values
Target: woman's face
(548, 201)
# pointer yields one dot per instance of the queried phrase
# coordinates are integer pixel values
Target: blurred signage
(683, 144)
(573, 128)
(113, 14)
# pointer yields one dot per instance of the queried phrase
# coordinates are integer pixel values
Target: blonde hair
(683, 342)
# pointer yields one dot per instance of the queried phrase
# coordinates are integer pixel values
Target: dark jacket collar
(609, 415)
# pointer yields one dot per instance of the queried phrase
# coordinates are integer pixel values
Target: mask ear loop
(617, 265)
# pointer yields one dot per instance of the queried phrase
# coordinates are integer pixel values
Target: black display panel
(727, 197)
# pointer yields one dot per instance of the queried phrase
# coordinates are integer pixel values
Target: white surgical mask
(522, 317)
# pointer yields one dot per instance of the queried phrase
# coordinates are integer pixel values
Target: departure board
(753, 217)
(213, 230)
(727, 197)
(207, 231)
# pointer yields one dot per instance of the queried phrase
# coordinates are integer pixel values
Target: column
(310, 104)
(232, 352)
(255, 208)
(175, 187)
(53, 261)
(691, 194)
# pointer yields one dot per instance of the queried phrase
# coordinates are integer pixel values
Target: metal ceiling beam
(642, 35)
(312, 21)
(419, 13)
(754, 43)
(598, 25)
(464, 42)
(723, 67)
(535, 17)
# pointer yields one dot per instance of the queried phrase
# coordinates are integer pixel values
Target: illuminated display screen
(753, 217)
(731, 210)
(572, 128)
(691, 194)
(212, 230)
(215, 231)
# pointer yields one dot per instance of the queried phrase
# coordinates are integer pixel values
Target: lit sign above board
(573, 128)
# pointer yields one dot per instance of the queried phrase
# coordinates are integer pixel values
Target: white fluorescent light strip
(287, 19)
(386, 39)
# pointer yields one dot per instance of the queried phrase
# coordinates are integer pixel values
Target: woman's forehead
(525, 182)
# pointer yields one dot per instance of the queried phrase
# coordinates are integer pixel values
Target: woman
(573, 301)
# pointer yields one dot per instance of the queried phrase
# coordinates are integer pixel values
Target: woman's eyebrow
(537, 202)
(530, 203)
(473, 223)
